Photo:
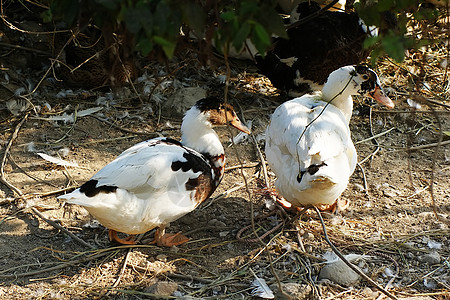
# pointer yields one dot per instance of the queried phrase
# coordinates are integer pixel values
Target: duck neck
(338, 90)
(197, 133)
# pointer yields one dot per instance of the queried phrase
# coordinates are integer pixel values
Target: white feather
(260, 288)
(57, 161)
(70, 118)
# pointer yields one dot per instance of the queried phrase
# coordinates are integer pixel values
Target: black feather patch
(192, 184)
(90, 188)
(193, 162)
(312, 169)
(209, 103)
(170, 141)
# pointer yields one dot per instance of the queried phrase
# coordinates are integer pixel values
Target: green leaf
(384, 5)
(145, 45)
(248, 8)
(262, 34)
(260, 38)
(132, 20)
(168, 46)
(394, 47)
(47, 16)
(375, 54)
(371, 41)
(241, 35)
(272, 21)
(228, 15)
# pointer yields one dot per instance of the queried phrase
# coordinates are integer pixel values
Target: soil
(392, 217)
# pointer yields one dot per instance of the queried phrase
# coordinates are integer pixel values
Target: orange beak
(236, 123)
(381, 97)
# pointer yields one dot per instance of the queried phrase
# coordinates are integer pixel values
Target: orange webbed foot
(172, 239)
(338, 206)
(169, 239)
(113, 237)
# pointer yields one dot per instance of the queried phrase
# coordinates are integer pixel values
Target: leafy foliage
(395, 40)
(156, 23)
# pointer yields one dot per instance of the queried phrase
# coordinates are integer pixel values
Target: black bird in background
(319, 43)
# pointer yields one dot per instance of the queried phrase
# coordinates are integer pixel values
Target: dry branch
(59, 227)
(5, 155)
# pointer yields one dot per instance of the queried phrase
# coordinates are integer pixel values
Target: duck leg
(338, 206)
(126, 241)
(169, 239)
(278, 199)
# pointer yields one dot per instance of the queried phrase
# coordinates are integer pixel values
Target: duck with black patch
(319, 42)
(308, 141)
(160, 180)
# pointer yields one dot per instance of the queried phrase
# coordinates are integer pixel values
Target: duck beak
(236, 123)
(381, 97)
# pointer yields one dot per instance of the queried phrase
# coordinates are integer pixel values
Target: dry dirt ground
(392, 217)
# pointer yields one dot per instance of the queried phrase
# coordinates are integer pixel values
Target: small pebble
(338, 271)
(389, 193)
(162, 288)
(161, 257)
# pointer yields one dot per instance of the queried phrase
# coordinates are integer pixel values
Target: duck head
(354, 80)
(369, 85)
(216, 112)
(197, 127)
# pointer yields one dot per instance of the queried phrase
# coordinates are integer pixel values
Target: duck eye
(365, 77)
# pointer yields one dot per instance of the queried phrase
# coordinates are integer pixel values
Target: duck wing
(151, 167)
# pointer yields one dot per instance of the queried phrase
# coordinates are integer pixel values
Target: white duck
(158, 181)
(308, 143)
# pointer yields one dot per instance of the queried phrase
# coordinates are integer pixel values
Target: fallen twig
(154, 134)
(59, 227)
(366, 190)
(414, 148)
(375, 136)
(258, 238)
(19, 47)
(51, 193)
(391, 111)
(249, 165)
(227, 192)
(371, 156)
(52, 64)
(122, 270)
(433, 168)
(5, 155)
(29, 175)
(57, 267)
